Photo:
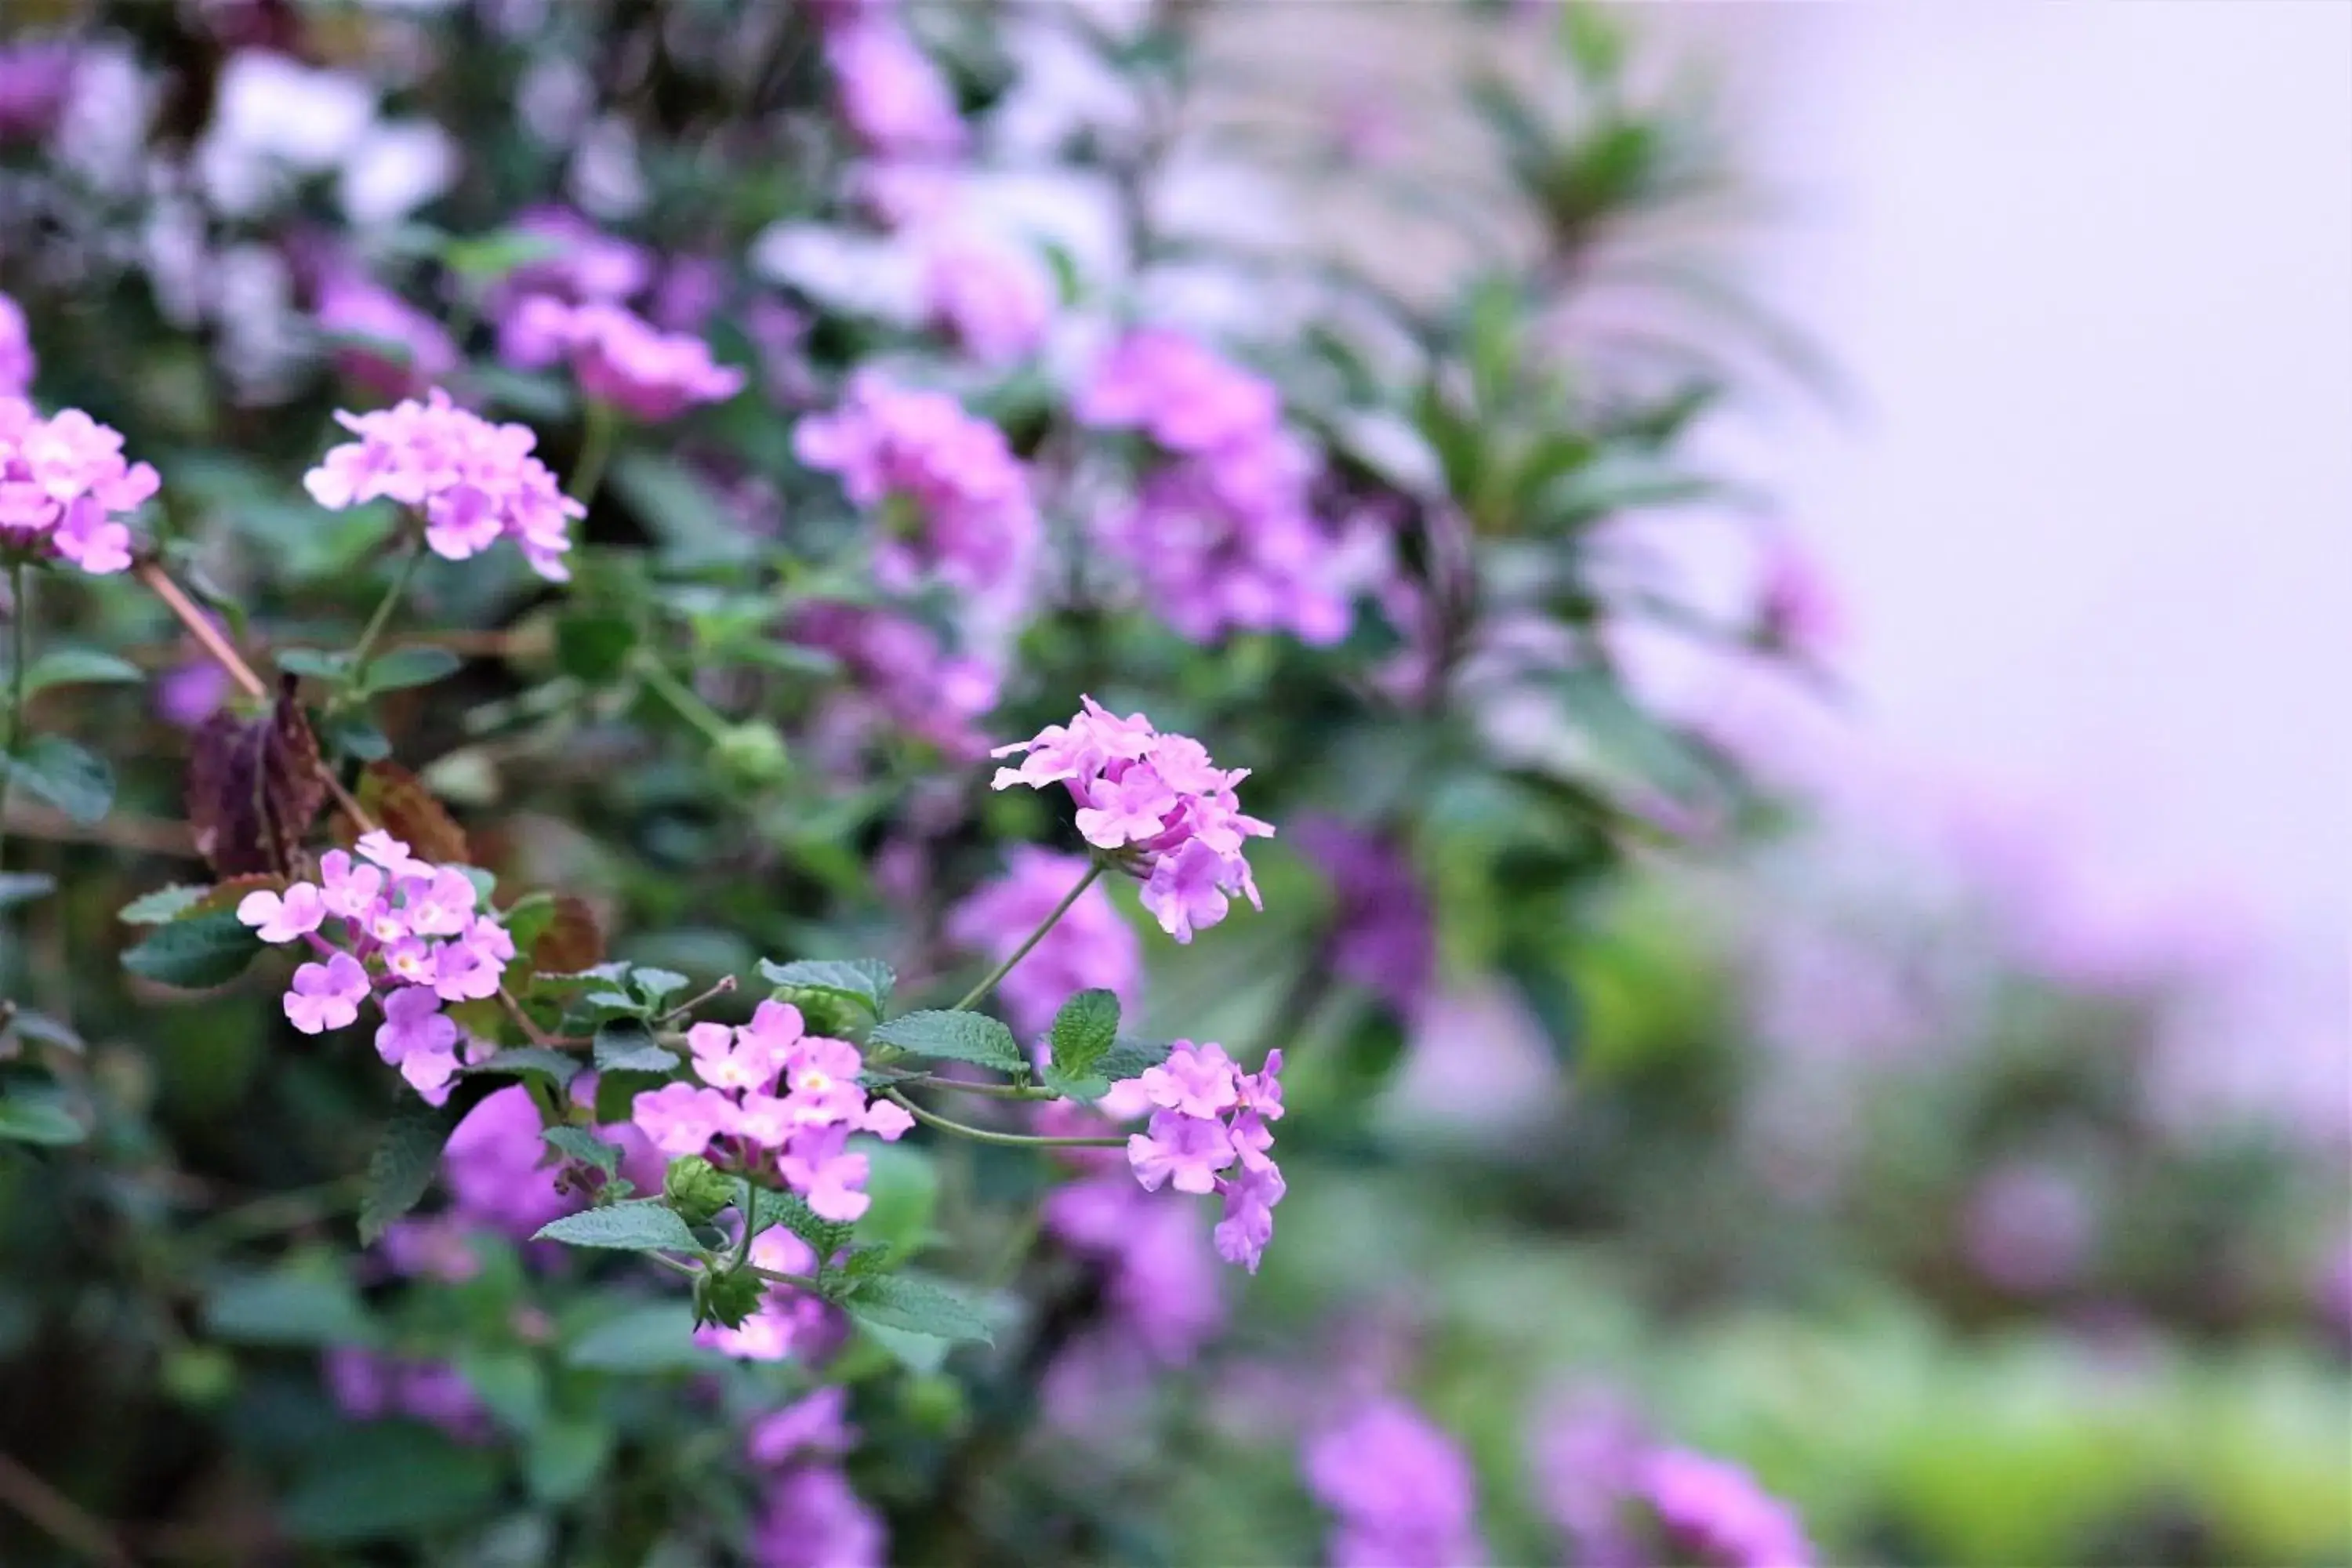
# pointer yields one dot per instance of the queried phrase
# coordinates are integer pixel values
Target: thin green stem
(404, 570)
(1002, 1140)
(986, 1090)
(680, 696)
(20, 610)
(988, 982)
(779, 1277)
(595, 450)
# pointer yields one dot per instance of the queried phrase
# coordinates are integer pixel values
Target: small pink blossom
(893, 98)
(417, 1038)
(276, 918)
(63, 485)
(326, 995)
(679, 1118)
(1185, 1152)
(390, 853)
(1195, 1081)
(622, 359)
(348, 889)
(821, 1169)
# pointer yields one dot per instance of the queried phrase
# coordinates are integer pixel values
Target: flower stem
(365, 649)
(679, 695)
(1004, 1140)
(20, 611)
(595, 451)
(988, 982)
(986, 1090)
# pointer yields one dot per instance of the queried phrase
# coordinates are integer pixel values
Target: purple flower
(819, 1168)
(416, 1038)
(1716, 1510)
(1588, 1449)
(995, 301)
(904, 679)
(326, 995)
(1090, 948)
(1248, 1222)
(382, 341)
(1401, 1489)
(281, 918)
(1160, 1282)
(1195, 1081)
(16, 361)
(816, 1423)
(1382, 937)
(811, 1519)
(36, 82)
(894, 99)
(2028, 1227)
(473, 482)
(1157, 800)
(1178, 393)
(973, 525)
(191, 693)
(679, 1118)
(1183, 1150)
(621, 358)
(369, 1386)
(63, 481)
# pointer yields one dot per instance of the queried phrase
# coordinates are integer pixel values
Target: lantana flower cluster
(382, 341)
(1222, 534)
(774, 1101)
(64, 483)
(904, 677)
(1208, 1133)
(473, 482)
(1401, 1490)
(975, 525)
(1619, 1495)
(1156, 802)
(387, 925)
(619, 357)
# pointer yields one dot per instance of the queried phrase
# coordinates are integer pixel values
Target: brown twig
(159, 582)
(59, 1515)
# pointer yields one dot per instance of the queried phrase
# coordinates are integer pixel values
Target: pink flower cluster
(1208, 1119)
(369, 1386)
(620, 358)
(474, 481)
(1622, 1497)
(389, 924)
(63, 482)
(1090, 948)
(995, 301)
(1402, 1491)
(797, 1136)
(975, 524)
(382, 343)
(1714, 1513)
(892, 97)
(1158, 801)
(1221, 534)
(811, 1516)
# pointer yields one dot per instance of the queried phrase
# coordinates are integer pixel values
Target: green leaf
(554, 1066)
(24, 886)
(26, 1118)
(592, 648)
(653, 984)
(1130, 1056)
(75, 780)
(163, 905)
(617, 1090)
(308, 1302)
(681, 511)
(903, 1183)
(354, 734)
(510, 1384)
(195, 953)
(824, 1236)
(953, 1036)
(868, 981)
(405, 666)
(565, 1457)
(403, 1161)
(627, 1044)
(579, 1143)
(1084, 1032)
(380, 1479)
(79, 667)
(486, 258)
(319, 664)
(643, 1225)
(654, 1336)
(32, 1024)
(919, 1306)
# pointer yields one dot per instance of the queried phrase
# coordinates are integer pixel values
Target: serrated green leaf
(76, 781)
(919, 1306)
(403, 1164)
(386, 1478)
(554, 1066)
(653, 984)
(953, 1036)
(310, 1303)
(163, 905)
(25, 1119)
(627, 1045)
(868, 981)
(195, 953)
(24, 886)
(643, 1225)
(579, 1143)
(824, 1236)
(1130, 1056)
(1084, 1032)
(81, 666)
(408, 666)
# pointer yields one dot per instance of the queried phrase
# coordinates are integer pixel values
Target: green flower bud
(695, 1190)
(728, 1299)
(752, 754)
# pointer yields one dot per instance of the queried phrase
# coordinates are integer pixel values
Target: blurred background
(1950, 1121)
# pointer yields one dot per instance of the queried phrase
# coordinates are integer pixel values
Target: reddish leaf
(571, 942)
(399, 800)
(253, 787)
